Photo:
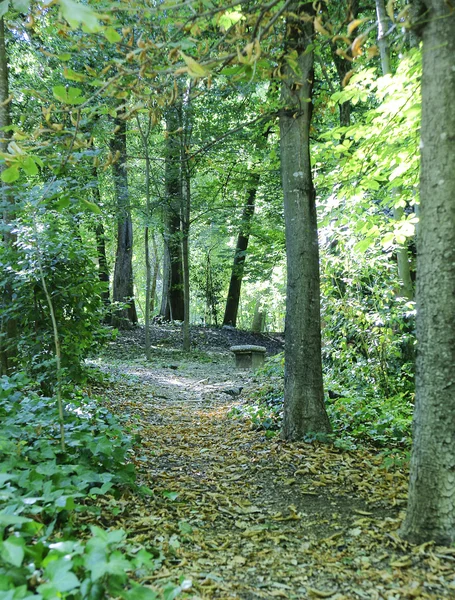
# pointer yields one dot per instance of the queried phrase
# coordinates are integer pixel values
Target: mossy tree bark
(431, 504)
(304, 409)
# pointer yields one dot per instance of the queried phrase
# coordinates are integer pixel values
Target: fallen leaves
(243, 517)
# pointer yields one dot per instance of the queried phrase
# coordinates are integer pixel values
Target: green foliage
(42, 490)
(75, 291)
(360, 415)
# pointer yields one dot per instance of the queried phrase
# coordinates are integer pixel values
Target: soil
(239, 516)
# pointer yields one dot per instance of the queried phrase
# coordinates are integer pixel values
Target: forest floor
(241, 516)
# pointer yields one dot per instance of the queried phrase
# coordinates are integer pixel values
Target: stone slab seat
(248, 356)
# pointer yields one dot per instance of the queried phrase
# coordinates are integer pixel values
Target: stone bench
(249, 357)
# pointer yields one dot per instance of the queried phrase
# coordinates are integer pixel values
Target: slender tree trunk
(123, 273)
(304, 409)
(187, 126)
(148, 286)
(8, 325)
(431, 503)
(172, 220)
(257, 326)
(404, 269)
(186, 266)
(233, 297)
(154, 275)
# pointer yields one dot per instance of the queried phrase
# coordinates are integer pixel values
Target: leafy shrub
(356, 416)
(42, 489)
(72, 281)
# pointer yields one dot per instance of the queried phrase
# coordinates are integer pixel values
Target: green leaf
(11, 174)
(6, 519)
(4, 8)
(64, 56)
(194, 68)
(73, 75)
(171, 495)
(76, 14)
(63, 202)
(139, 592)
(363, 245)
(29, 166)
(21, 5)
(118, 564)
(12, 551)
(91, 206)
(112, 35)
(68, 95)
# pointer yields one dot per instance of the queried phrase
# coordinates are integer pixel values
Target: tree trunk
(304, 410)
(8, 326)
(172, 222)
(100, 236)
(148, 287)
(164, 308)
(257, 326)
(233, 297)
(404, 269)
(144, 132)
(431, 504)
(154, 276)
(123, 272)
(185, 145)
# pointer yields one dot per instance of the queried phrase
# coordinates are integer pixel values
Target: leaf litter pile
(233, 514)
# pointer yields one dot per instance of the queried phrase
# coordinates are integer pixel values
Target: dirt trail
(244, 517)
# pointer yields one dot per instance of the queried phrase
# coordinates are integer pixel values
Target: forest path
(245, 517)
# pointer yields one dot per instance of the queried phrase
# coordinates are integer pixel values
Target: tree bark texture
(304, 409)
(164, 308)
(172, 221)
(8, 325)
(100, 236)
(431, 503)
(238, 267)
(123, 272)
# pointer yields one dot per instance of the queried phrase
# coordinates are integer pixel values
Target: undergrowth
(358, 416)
(45, 550)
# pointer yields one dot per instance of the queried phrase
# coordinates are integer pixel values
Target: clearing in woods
(246, 517)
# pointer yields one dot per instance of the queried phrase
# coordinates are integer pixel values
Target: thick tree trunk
(238, 267)
(304, 409)
(172, 222)
(123, 272)
(144, 131)
(431, 503)
(8, 326)
(100, 236)
(164, 308)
